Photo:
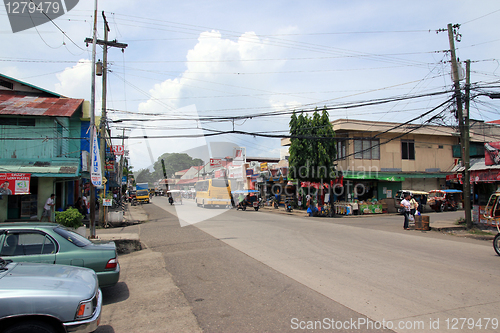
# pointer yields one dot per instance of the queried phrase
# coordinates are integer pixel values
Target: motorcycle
(288, 205)
(170, 200)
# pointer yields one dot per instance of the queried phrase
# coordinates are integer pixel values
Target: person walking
(405, 203)
(413, 206)
(47, 208)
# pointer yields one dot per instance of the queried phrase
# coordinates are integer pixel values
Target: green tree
(312, 148)
(144, 176)
(174, 162)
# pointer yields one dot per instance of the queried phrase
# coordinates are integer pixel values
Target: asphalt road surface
(256, 271)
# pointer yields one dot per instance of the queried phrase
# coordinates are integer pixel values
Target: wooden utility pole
(105, 44)
(464, 130)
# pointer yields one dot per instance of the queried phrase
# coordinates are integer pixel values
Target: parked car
(442, 200)
(418, 195)
(54, 244)
(47, 298)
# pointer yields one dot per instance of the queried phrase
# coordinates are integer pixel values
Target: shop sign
(485, 176)
(240, 156)
(216, 163)
(107, 202)
(117, 149)
(492, 153)
(263, 166)
(15, 183)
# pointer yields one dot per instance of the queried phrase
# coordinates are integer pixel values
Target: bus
(213, 193)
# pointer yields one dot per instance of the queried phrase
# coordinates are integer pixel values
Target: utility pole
(92, 121)
(105, 44)
(464, 130)
(466, 158)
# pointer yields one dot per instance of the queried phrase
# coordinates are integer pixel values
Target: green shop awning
(373, 176)
(66, 168)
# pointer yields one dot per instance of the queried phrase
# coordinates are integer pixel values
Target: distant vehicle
(47, 298)
(131, 195)
(251, 199)
(443, 200)
(142, 194)
(213, 192)
(54, 244)
(401, 194)
(492, 213)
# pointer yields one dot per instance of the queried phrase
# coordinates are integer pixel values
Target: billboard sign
(14, 183)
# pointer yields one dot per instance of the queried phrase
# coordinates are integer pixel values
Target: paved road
(231, 292)
(369, 265)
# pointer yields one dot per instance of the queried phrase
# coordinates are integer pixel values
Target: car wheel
(31, 327)
(496, 244)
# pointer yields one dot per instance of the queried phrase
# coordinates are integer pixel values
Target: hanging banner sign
(14, 183)
(95, 172)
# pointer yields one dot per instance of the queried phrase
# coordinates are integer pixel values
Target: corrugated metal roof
(15, 104)
(56, 169)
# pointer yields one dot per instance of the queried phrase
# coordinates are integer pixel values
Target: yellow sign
(263, 166)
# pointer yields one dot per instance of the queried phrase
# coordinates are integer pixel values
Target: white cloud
(74, 82)
(210, 68)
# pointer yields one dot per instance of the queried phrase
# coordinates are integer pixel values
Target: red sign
(14, 183)
(117, 149)
(216, 162)
(492, 153)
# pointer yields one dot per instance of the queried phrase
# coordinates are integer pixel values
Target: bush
(70, 218)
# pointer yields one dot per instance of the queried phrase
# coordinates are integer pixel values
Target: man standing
(47, 208)
(406, 209)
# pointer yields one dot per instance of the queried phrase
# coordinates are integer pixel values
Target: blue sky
(232, 58)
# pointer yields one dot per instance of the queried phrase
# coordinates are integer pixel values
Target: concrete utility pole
(105, 43)
(464, 129)
(466, 159)
(92, 120)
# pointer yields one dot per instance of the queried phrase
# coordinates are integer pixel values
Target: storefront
(485, 180)
(30, 185)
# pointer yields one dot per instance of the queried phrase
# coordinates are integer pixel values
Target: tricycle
(492, 212)
(444, 200)
(247, 198)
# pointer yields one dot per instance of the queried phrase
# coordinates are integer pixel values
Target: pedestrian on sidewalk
(406, 210)
(47, 208)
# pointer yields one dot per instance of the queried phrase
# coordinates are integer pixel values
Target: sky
(190, 60)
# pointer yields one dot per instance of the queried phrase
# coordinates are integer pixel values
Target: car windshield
(72, 237)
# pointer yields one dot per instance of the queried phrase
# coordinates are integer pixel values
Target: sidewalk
(437, 221)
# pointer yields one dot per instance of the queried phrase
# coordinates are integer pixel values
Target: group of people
(410, 206)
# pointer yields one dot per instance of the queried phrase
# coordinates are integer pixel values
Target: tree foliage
(312, 149)
(174, 162)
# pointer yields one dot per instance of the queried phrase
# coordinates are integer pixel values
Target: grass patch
(475, 231)
(460, 221)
